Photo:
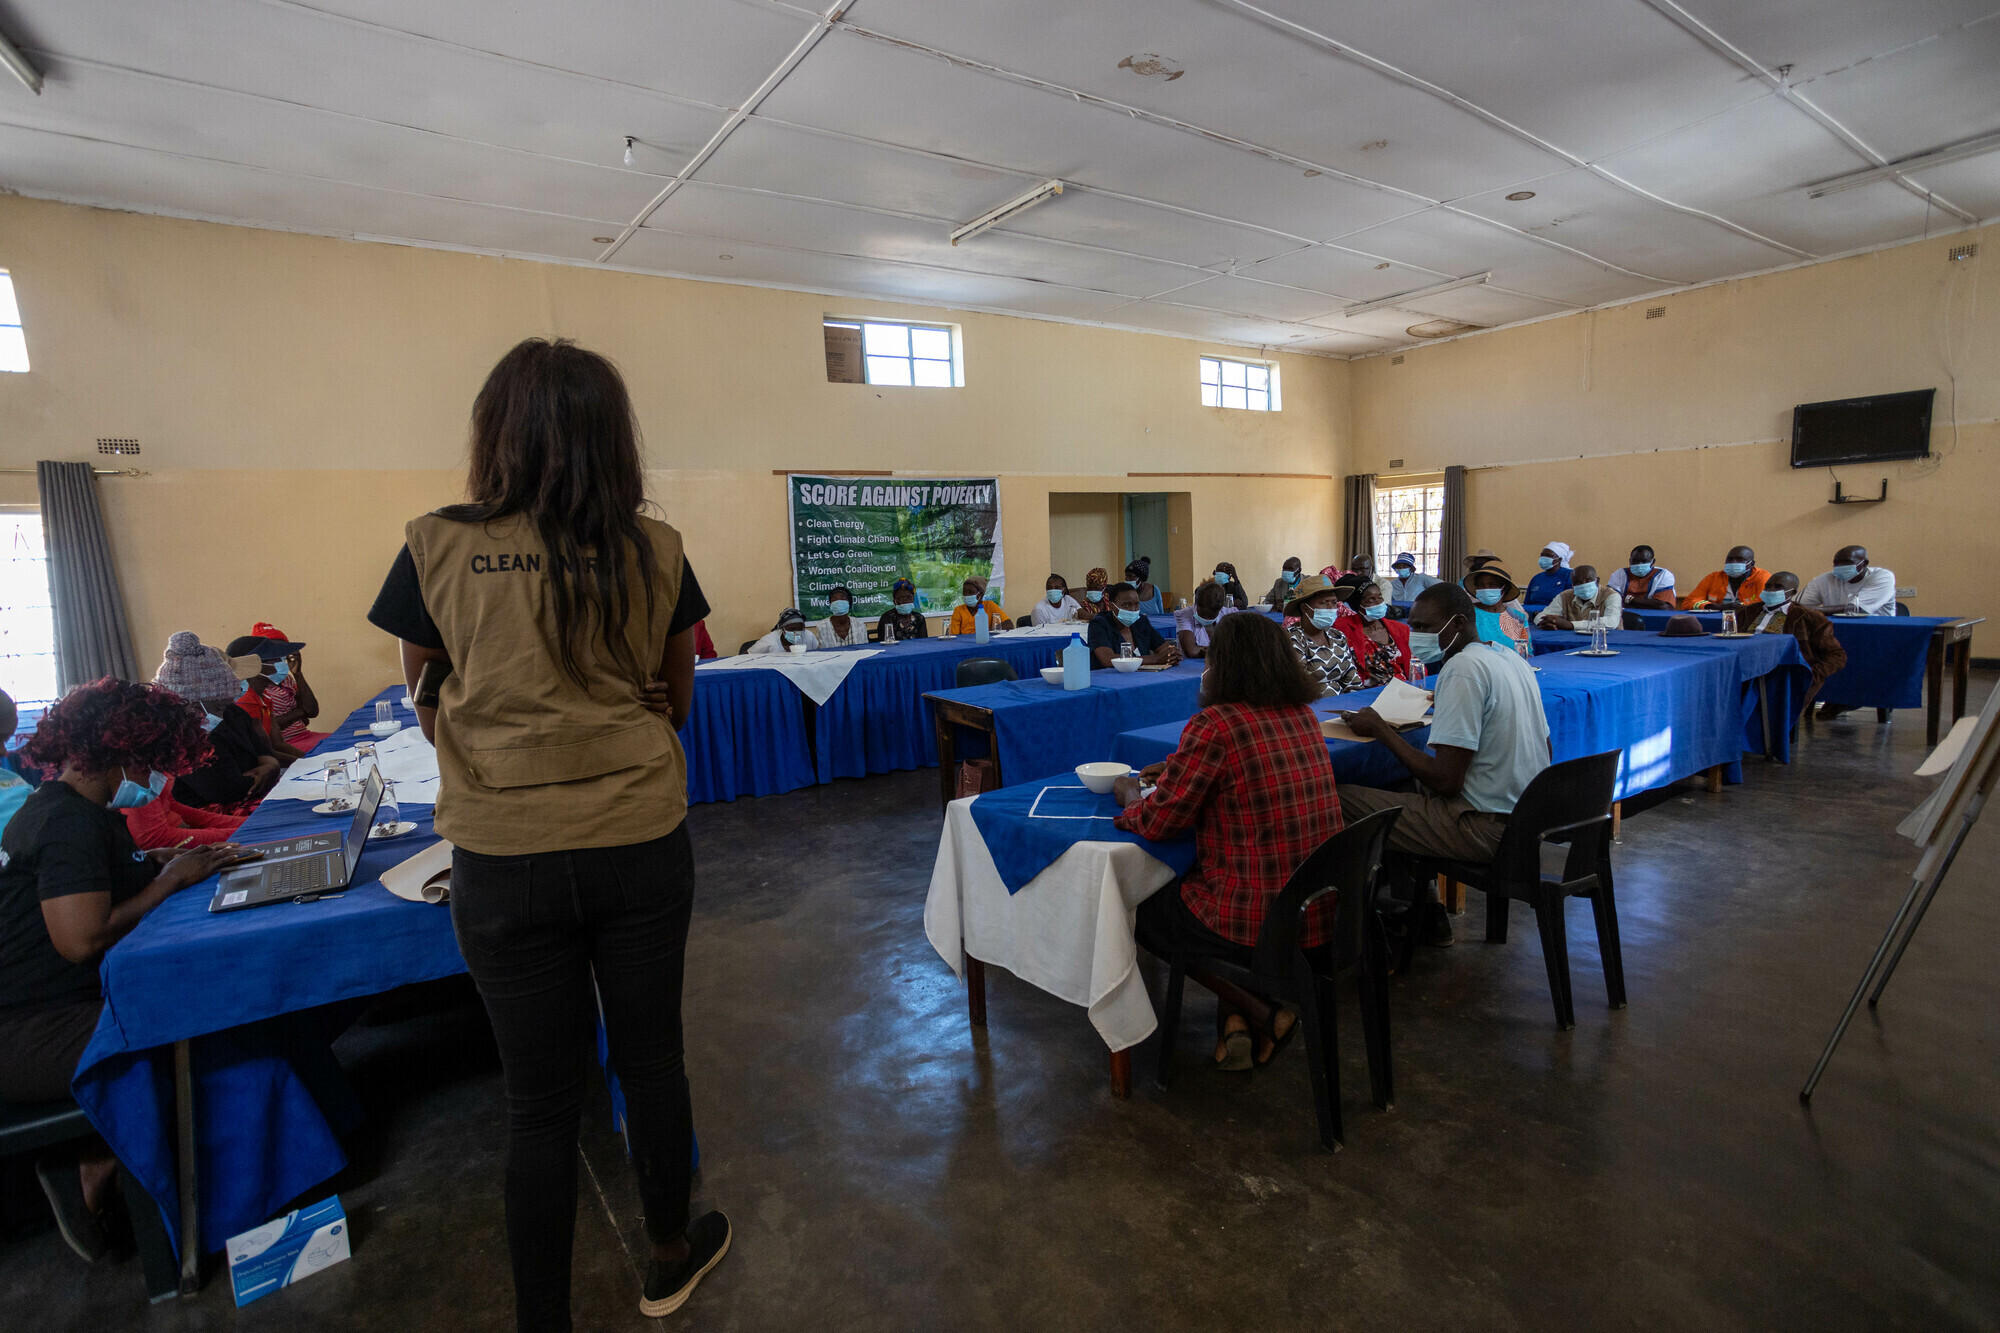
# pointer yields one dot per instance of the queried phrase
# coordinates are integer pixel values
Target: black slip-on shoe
(669, 1285)
(81, 1228)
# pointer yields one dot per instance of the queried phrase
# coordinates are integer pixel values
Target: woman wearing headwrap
(902, 620)
(1555, 577)
(791, 630)
(1094, 584)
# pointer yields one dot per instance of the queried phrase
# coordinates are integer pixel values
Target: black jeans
(534, 930)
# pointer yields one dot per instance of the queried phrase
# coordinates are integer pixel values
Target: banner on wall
(867, 532)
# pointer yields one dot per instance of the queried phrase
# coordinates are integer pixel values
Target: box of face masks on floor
(281, 1252)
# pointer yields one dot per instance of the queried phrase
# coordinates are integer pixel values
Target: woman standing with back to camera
(566, 621)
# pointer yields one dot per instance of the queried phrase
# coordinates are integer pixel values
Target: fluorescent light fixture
(1936, 157)
(11, 56)
(1046, 190)
(1397, 301)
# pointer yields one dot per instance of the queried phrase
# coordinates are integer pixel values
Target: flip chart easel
(1938, 827)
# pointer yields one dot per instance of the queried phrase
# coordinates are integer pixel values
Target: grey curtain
(1357, 517)
(1451, 537)
(92, 638)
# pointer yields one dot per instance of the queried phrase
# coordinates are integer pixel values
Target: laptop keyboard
(289, 877)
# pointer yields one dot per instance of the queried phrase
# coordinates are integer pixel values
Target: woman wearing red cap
(291, 700)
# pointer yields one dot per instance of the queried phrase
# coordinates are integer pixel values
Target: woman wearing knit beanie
(243, 767)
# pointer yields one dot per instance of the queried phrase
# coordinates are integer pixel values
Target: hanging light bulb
(628, 150)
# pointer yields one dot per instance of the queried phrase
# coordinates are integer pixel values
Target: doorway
(1147, 525)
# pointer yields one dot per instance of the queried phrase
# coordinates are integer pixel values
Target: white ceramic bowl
(1053, 675)
(1099, 777)
(385, 728)
(1125, 664)
(798, 649)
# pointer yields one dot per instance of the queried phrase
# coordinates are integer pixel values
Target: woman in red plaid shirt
(1252, 779)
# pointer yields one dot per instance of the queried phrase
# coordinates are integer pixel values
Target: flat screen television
(1862, 430)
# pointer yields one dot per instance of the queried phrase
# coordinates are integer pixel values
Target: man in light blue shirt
(1407, 582)
(1490, 735)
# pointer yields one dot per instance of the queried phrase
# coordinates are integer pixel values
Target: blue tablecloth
(1042, 730)
(1360, 763)
(1886, 656)
(1027, 827)
(269, 1102)
(746, 736)
(876, 721)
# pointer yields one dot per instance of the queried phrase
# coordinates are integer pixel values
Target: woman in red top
(1381, 645)
(165, 822)
(1253, 780)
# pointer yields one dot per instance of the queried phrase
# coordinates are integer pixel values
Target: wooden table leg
(1121, 1074)
(947, 748)
(1617, 818)
(1933, 685)
(184, 1167)
(1452, 894)
(975, 990)
(1715, 778)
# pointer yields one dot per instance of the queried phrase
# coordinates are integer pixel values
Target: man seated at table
(1057, 607)
(841, 629)
(1778, 612)
(1853, 587)
(1407, 581)
(1736, 584)
(1585, 604)
(1126, 626)
(1490, 736)
(1360, 571)
(1288, 579)
(1643, 585)
(1252, 778)
(974, 597)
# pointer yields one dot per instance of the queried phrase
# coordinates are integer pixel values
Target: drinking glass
(364, 759)
(384, 711)
(1128, 650)
(389, 813)
(339, 790)
(1728, 622)
(1600, 637)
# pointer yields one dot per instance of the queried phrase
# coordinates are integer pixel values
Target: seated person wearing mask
(1643, 585)
(1238, 595)
(1585, 604)
(1195, 625)
(1281, 587)
(1057, 607)
(1137, 574)
(1736, 584)
(1554, 577)
(1490, 736)
(1094, 585)
(71, 886)
(1408, 581)
(1252, 779)
(1361, 571)
(973, 592)
(1127, 624)
(14, 788)
(276, 671)
(840, 629)
(1316, 638)
(1381, 646)
(242, 767)
(902, 620)
(1498, 616)
(791, 630)
(1778, 612)
(292, 701)
(1853, 587)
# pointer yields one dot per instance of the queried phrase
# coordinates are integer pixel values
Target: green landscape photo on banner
(864, 533)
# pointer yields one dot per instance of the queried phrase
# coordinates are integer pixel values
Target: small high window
(1409, 518)
(872, 351)
(13, 343)
(27, 620)
(1252, 385)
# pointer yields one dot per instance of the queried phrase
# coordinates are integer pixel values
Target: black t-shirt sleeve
(72, 858)
(399, 608)
(688, 611)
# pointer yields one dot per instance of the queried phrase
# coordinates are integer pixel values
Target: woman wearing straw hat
(1322, 649)
(1498, 600)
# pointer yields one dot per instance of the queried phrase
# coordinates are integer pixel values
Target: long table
(1892, 661)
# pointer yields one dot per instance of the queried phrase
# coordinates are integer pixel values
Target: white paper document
(405, 759)
(1401, 703)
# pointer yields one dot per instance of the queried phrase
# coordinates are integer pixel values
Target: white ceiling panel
(1439, 237)
(1973, 184)
(1817, 36)
(772, 156)
(1191, 322)
(1921, 98)
(1242, 297)
(1482, 305)
(1091, 218)
(1353, 275)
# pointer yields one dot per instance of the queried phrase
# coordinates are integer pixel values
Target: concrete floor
(885, 1169)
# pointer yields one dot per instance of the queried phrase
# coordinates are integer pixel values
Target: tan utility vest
(528, 759)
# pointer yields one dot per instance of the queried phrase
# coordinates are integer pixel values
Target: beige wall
(1086, 531)
(1688, 417)
(298, 398)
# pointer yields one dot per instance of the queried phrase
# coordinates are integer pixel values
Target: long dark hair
(554, 439)
(1251, 662)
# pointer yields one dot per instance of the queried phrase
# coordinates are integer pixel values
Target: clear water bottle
(1076, 664)
(981, 629)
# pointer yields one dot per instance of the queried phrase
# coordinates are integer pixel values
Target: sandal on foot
(1239, 1050)
(1278, 1042)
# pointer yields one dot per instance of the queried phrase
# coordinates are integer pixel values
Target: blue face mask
(906, 607)
(1774, 596)
(1094, 594)
(1424, 646)
(971, 599)
(1845, 573)
(1546, 561)
(130, 795)
(1224, 577)
(209, 721)
(1640, 570)
(1377, 611)
(795, 636)
(838, 608)
(1201, 619)
(1404, 571)
(1324, 617)
(1128, 617)
(1291, 576)
(1735, 569)
(284, 669)
(1055, 596)
(1586, 591)
(1488, 596)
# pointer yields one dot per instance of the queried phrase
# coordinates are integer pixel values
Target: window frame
(11, 297)
(19, 511)
(1271, 389)
(951, 331)
(1430, 527)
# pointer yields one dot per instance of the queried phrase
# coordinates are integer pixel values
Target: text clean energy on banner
(867, 532)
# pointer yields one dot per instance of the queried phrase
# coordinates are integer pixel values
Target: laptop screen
(364, 817)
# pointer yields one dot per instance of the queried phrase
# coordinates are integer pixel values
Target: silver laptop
(285, 877)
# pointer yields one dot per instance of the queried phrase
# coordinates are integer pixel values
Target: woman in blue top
(1555, 576)
(1136, 574)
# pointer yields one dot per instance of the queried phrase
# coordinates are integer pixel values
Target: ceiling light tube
(1046, 190)
(1397, 301)
(1936, 157)
(11, 56)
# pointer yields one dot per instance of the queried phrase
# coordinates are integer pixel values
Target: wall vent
(117, 446)
(1395, 463)
(1395, 360)
(1656, 312)
(1963, 252)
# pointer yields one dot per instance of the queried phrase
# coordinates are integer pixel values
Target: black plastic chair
(1630, 620)
(748, 644)
(30, 1127)
(985, 671)
(1346, 865)
(1569, 803)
